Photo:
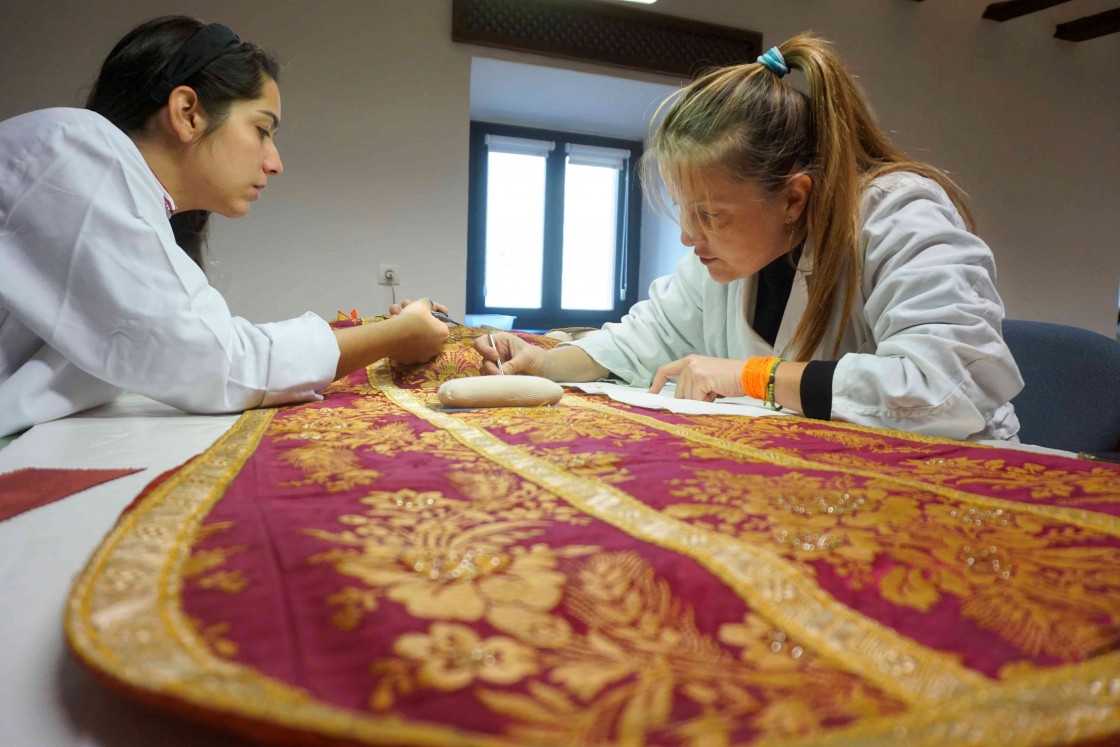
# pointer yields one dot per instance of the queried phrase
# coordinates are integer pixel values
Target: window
(553, 227)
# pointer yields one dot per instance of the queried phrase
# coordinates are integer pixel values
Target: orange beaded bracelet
(756, 375)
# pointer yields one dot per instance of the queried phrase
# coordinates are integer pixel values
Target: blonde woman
(829, 273)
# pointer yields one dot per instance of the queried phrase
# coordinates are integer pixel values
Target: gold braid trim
(1069, 704)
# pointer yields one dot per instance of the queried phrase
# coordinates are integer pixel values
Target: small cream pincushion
(499, 391)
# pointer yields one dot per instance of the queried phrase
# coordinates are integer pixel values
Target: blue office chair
(1071, 397)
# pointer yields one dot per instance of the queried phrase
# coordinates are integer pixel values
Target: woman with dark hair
(102, 211)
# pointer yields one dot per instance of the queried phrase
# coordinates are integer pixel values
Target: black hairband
(206, 45)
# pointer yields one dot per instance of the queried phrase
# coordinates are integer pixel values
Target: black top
(775, 281)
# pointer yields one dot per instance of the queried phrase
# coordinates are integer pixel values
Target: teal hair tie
(773, 59)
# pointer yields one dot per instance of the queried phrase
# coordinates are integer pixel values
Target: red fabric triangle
(32, 487)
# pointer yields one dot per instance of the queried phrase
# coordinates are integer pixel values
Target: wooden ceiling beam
(1089, 27)
(1009, 9)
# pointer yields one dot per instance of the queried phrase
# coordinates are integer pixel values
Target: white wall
(374, 141)
(376, 106)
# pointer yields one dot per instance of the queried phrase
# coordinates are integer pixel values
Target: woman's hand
(397, 308)
(412, 335)
(565, 363)
(516, 355)
(423, 334)
(700, 377)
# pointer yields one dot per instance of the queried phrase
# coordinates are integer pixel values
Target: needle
(490, 337)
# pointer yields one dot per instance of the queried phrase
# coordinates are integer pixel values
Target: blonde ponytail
(749, 122)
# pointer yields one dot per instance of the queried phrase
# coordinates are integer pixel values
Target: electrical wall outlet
(388, 275)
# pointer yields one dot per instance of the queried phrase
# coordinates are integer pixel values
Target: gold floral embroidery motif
(352, 605)
(330, 440)
(803, 514)
(997, 475)
(768, 433)
(449, 365)
(559, 424)
(334, 467)
(453, 655)
(440, 444)
(755, 431)
(1043, 483)
(1040, 585)
(346, 385)
(602, 465)
(637, 656)
(504, 493)
(832, 431)
(214, 637)
(448, 558)
(1034, 582)
(205, 569)
(457, 360)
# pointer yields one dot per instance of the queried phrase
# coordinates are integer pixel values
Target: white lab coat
(96, 297)
(923, 351)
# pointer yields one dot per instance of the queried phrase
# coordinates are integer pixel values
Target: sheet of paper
(666, 400)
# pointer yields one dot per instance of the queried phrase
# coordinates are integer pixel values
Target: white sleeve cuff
(303, 359)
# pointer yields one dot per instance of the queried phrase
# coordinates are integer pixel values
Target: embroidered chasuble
(378, 569)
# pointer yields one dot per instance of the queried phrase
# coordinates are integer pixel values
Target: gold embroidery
(641, 652)
(554, 424)
(800, 512)
(506, 494)
(602, 465)
(456, 360)
(229, 582)
(204, 567)
(1073, 704)
(993, 560)
(214, 635)
(765, 432)
(353, 604)
(439, 444)
(713, 447)
(336, 468)
(451, 656)
(118, 626)
(327, 442)
(996, 474)
(453, 559)
(776, 589)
